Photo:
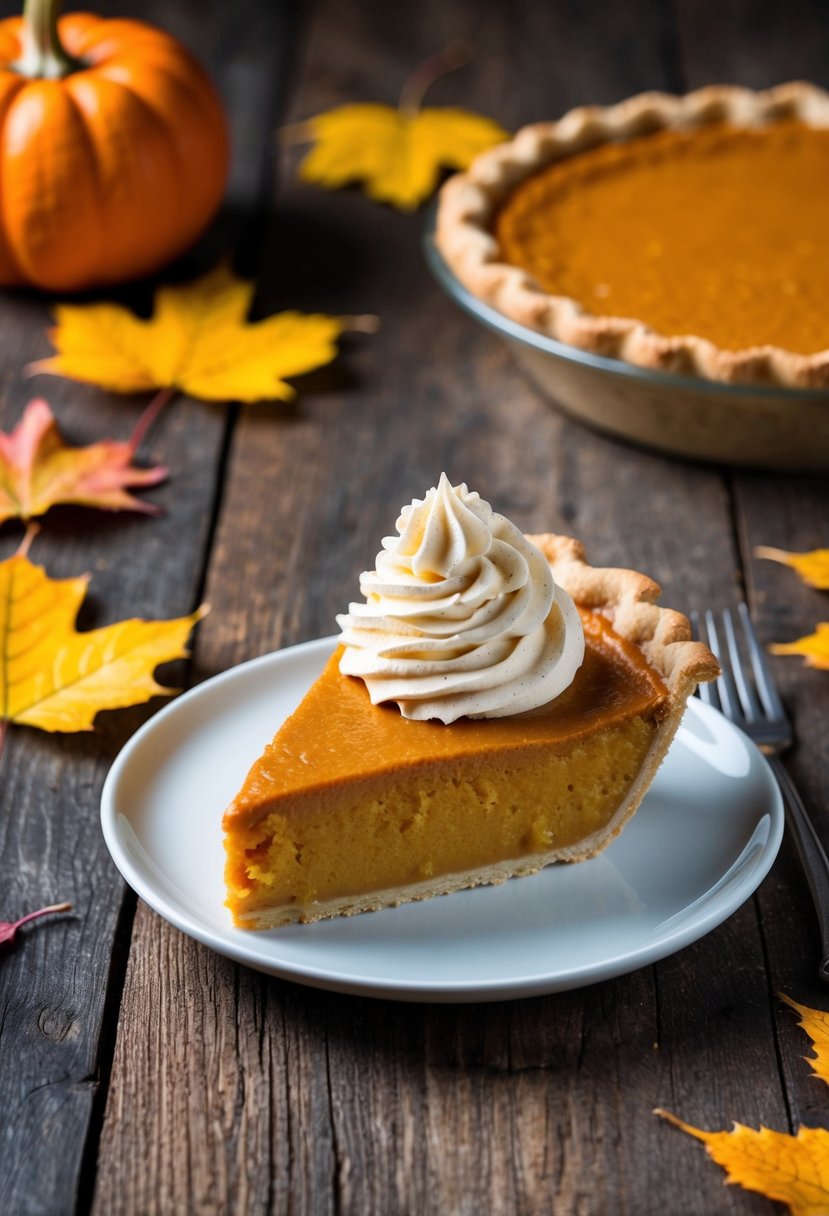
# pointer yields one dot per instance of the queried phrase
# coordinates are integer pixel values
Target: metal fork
(745, 693)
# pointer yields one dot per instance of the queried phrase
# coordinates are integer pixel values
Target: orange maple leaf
(198, 340)
(791, 1169)
(38, 470)
(397, 152)
(814, 647)
(57, 679)
(813, 566)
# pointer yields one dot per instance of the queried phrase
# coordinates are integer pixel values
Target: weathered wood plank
(791, 512)
(53, 989)
(761, 46)
(60, 989)
(756, 45)
(354, 1106)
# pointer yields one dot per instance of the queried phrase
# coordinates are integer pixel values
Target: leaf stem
(361, 323)
(28, 536)
(24, 920)
(8, 928)
(162, 398)
(773, 555)
(455, 55)
(296, 133)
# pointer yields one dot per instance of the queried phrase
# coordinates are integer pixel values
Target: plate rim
(715, 910)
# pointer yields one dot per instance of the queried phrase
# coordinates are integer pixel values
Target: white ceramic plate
(702, 841)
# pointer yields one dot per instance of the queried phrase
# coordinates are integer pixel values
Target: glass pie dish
(680, 415)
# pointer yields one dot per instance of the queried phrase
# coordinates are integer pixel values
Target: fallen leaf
(57, 679)
(814, 647)
(8, 928)
(816, 1024)
(792, 1169)
(396, 154)
(198, 340)
(813, 567)
(38, 470)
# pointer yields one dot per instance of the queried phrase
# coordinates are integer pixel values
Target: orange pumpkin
(113, 149)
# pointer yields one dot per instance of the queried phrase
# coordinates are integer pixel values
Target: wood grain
(60, 989)
(760, 47)
(792, 511)
(234, 1093)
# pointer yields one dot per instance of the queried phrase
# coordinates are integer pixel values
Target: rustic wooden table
(141, 1073)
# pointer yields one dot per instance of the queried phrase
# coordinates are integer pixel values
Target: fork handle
(812, 856)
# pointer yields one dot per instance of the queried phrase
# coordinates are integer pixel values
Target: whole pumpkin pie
(509, 707)
(680, 233)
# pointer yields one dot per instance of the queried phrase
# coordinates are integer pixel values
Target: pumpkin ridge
(7, 96)
(98, 190)
(161, 129)
(192, 83)
(200, 103)
(167, 134)
(41, 113)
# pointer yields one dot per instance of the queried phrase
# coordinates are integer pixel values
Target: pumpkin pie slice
(685, 234)
(354, 807)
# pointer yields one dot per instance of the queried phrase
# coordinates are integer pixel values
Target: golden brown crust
(468, 202)
(628, 600)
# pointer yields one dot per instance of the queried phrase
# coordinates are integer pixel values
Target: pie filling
(351, 798)
(715, 231)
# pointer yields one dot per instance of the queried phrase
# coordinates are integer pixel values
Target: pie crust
(469, 200)
(660, 640)
(629, 601)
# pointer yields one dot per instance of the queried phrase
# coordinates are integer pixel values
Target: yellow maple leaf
(816, 1024)
(813, 566)
(397, 152)
(57, 679)
(198, 340)
(791, 1169)
(814, 647)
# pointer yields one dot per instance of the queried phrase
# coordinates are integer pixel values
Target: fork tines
(744, 691)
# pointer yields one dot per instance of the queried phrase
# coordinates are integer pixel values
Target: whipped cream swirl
(462, 615)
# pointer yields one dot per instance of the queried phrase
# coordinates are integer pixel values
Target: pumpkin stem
(43, 56)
